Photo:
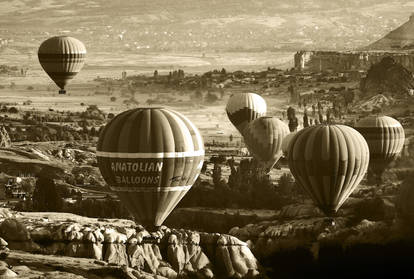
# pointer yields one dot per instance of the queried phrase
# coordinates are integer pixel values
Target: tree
(198, 95)
(221, 93)
(28, 185)
(13, 110)
(211, 98)
(45, 196)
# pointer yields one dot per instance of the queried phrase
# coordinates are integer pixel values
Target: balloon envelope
(385, 137)
(263, 137)
(243, 108)
(62, 57)
(285, 143)
(328, 162)
(150, 157)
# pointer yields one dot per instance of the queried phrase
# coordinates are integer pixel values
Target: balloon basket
(330, 222)
(62, 91)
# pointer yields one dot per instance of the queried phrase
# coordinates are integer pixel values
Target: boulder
(375, 209)
(167, 272)
(299, 211)
(75, 249)
(234, 258)
(115, 253)
(112, 236)
(387, 77)
(7, 213)
(41, 234)
(55, 248)
(12, 230)
(3, 243)
(7, 273)
(4, 138)
(137, 258)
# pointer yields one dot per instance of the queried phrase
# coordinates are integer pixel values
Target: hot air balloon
(62, 57)
(328, 162)
(263, 137)
(150, 157)
(385, 137)
(285, 143)
(243, 108)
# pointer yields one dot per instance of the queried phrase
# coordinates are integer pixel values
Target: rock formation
(168, 252)
(388, 78)
(4, 138)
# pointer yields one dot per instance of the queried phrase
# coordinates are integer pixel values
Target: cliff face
(400, 38)
(348, 60)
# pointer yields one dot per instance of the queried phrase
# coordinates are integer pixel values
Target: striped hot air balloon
(328, 162)
(244, 107)
(150, 157)
(285, 143)
(62, 57)
(385, 137)
(263, 137)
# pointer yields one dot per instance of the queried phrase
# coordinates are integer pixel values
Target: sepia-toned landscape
(317, 179)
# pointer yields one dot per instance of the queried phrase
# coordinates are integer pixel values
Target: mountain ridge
(401, 38)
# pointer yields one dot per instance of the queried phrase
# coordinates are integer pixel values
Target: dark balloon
(150, 157)
(385, 137)
(285, 143)
(62, 57)
(243, 108)
(328, 162)
(263, 137)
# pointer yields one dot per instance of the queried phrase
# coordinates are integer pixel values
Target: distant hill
(401, 38)
(204, 25)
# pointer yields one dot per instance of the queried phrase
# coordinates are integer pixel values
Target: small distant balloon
(263, 137)
(62, 57)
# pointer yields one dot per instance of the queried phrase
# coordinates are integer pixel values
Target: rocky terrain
(118, 249)
(370, 237)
